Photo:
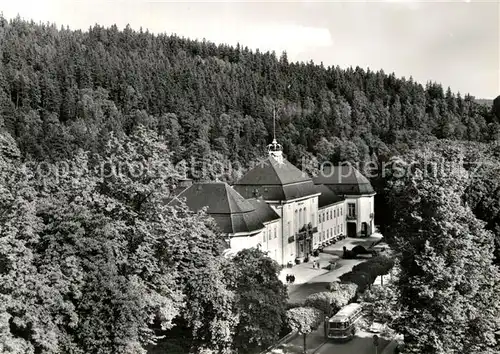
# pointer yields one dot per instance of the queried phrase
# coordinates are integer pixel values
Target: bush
(331, 301)
(292, 305)
(321, 301)
(364, 274)
(361, 279)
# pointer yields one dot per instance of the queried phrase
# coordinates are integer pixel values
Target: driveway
(310, 280)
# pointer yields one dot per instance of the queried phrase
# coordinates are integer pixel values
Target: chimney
(185, 182)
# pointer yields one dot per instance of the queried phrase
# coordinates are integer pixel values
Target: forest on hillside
(61, 90)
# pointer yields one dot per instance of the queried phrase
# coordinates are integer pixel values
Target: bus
(342, 326)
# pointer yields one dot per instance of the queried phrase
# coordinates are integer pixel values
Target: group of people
(290, 278)
(316, 264)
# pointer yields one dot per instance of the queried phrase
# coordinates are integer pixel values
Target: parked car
(358, 251)
(377, 327)
(380, 247)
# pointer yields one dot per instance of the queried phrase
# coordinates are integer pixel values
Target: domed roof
(232, 213)
(271, 171)
(275, 179)
(344, 180)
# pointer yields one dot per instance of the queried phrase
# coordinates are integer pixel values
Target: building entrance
(351, 229)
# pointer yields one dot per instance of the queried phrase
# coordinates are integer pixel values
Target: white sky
(454, 42)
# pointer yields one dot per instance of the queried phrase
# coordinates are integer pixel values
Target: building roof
(344, 180)
(327, 197)
(232, 213)
(271, 172)
(273, 180)
(263, 211)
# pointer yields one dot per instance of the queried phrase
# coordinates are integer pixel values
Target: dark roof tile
(327, 197)
(232, 213)
(271, 172)
(344, 180)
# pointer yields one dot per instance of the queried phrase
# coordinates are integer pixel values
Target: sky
(454, 42)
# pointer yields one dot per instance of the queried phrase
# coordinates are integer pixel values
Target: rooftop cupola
(275, 151)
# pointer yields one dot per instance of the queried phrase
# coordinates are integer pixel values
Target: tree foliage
(261, 300)
(92, 260)
(304, 320)
(448, 283)
(61, 90)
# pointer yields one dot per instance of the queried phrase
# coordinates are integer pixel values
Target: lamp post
(375, 343)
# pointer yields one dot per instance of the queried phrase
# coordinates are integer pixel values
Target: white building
(281, 210)
(349, 183)
(244, 223)
(292, 195)
(331, 215)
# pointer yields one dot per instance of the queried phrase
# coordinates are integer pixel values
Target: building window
(296, 220)
(341, 212)
(270, 235)
(313, 218)
(319, 218)
(335, 213)
(327, 215)
(352, 209)
(264, 236)
(331, 214)
(323, 217)
(305, 216)
(341, 228)
(289, 229)
(275, 232)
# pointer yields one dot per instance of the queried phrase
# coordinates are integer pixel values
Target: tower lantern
(274, 149)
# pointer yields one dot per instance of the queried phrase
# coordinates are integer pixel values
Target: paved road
(361, 344)
(310, 281)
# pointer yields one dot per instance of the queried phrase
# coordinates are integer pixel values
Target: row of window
(329, 232)
(267, 235)
(301, 218)
(330, 214)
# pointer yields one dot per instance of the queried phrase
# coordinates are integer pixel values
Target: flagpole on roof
(274, 122)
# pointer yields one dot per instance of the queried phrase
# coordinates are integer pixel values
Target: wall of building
(238, 243)
(364, 207)
(331, 222)
(270, 239)
(294, 216)
(274, 238)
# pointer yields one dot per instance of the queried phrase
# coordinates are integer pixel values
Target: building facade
(292, 195)
(358, 193)
(282, 211)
